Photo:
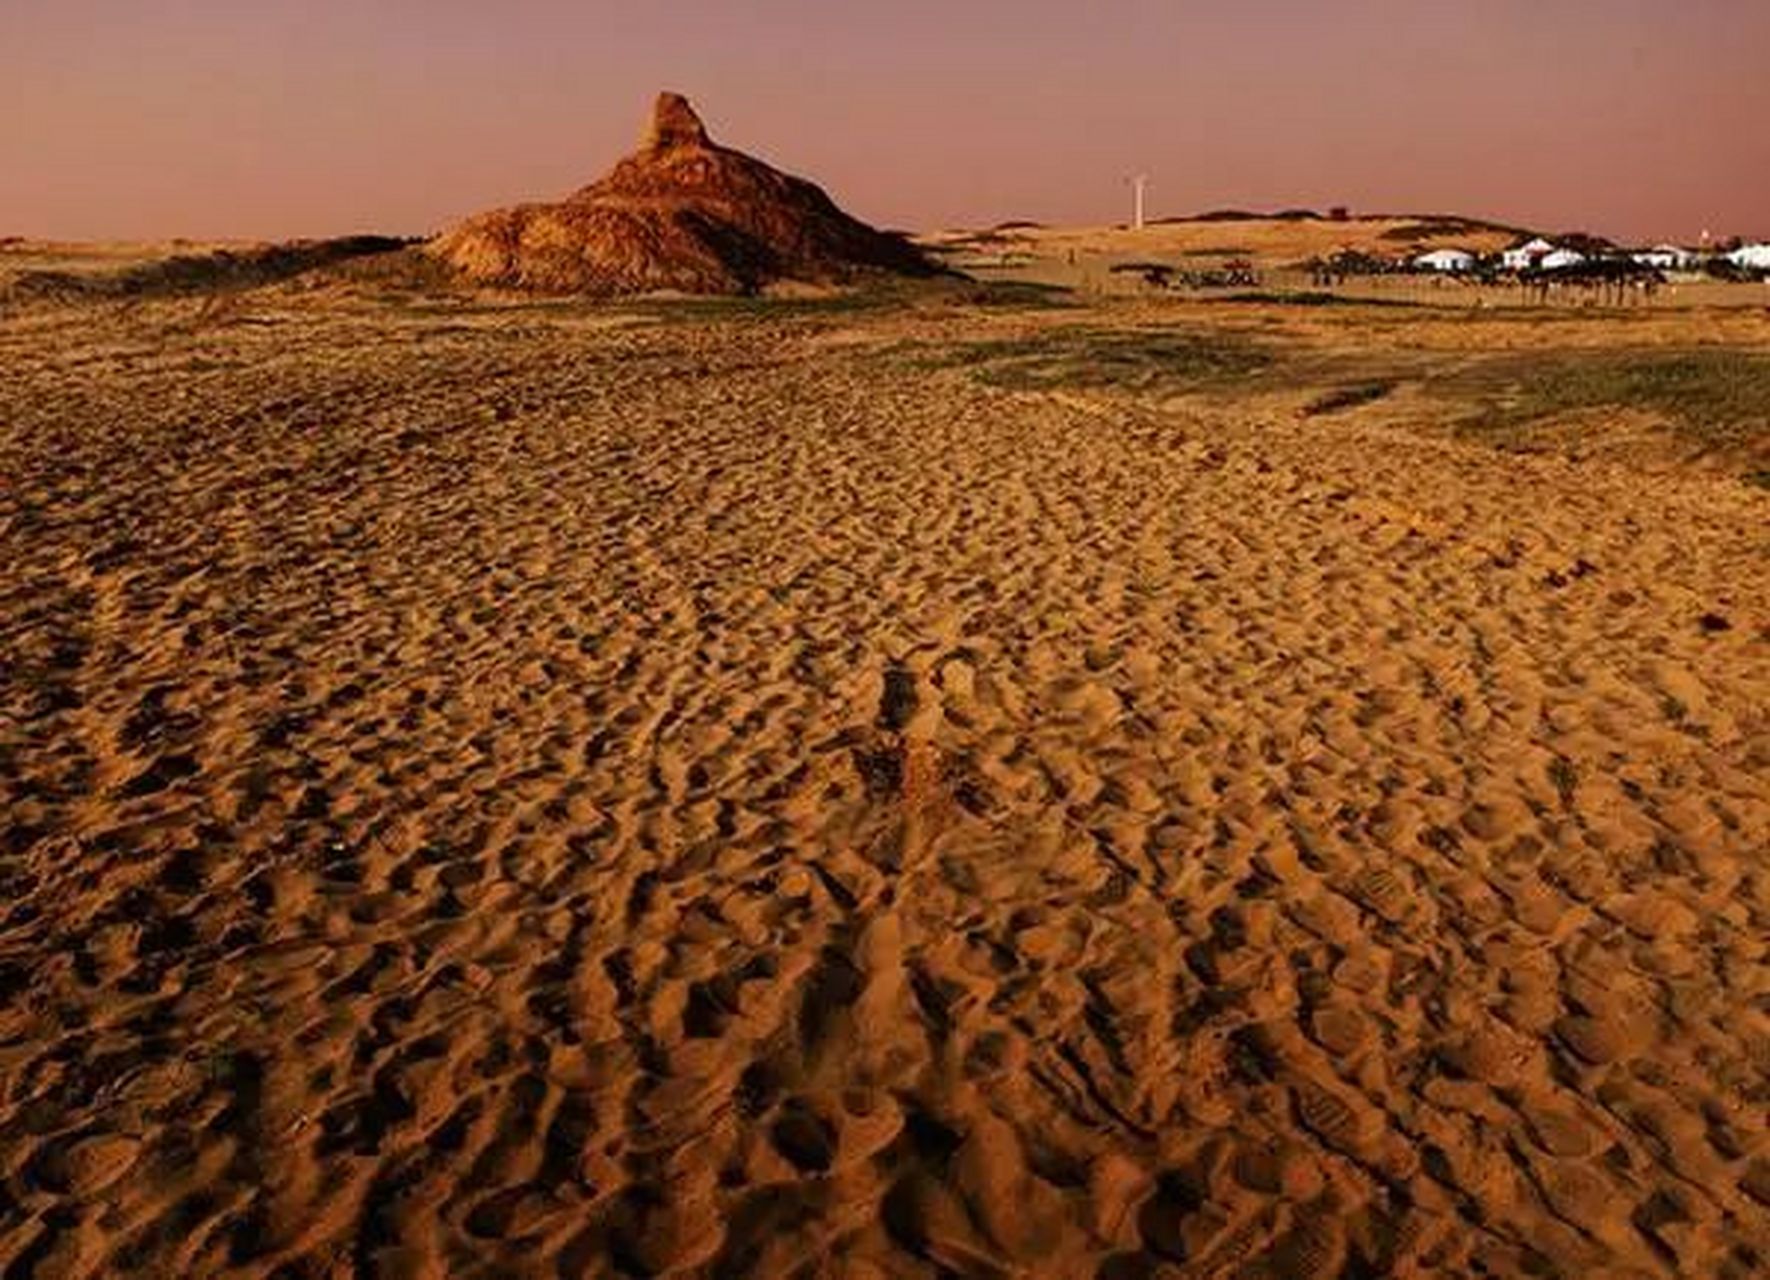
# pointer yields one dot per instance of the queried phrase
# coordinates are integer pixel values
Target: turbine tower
(1139, 184)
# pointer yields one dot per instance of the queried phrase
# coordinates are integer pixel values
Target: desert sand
(505, 789)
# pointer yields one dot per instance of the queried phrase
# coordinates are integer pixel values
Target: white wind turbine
(1139, 185)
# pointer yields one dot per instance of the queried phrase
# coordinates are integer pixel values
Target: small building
(1524, 257)
(1753, 257)
(1560, 259)
(1447, 260)
(1667, 257)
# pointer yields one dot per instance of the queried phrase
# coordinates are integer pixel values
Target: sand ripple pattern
(537, 798)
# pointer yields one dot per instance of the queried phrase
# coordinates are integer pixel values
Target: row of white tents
(1545, 255)
(1535, 255)
(1540, 255)
(1753, 257)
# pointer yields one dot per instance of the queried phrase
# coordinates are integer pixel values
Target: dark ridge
(188, 274)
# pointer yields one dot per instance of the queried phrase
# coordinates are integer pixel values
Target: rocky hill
(681, 213)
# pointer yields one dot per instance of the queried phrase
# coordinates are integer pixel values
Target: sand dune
(546, 792)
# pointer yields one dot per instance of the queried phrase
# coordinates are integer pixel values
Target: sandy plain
(946, 786)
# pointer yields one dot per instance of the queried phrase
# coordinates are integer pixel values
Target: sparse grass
(1016, 294)
(1565, 779)
(1312, 298)
(409, 274)
(1426, 226)
(869, 299)
(863, 301)
(1139, 360)
(1718, 398)
(223, 271)
(1347, 397)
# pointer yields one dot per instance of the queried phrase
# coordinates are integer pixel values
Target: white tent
(1667, 257)
(1524, 256)
(1753, 257)
(1445, 260)
(1560, 258)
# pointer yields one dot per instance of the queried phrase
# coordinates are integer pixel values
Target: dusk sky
(1644, 119)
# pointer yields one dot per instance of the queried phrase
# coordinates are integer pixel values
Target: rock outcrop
(682, 213)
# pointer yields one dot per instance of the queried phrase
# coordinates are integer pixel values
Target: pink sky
(1645, 119)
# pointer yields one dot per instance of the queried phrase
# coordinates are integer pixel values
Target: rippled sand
(553, 792)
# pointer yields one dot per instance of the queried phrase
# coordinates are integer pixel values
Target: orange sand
(537, 791)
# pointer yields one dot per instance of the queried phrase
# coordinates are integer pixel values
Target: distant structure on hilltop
(682, 214)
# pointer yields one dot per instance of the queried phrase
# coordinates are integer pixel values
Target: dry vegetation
(1717, 399)
(964, 781)
(197, 274)
(1267, 241)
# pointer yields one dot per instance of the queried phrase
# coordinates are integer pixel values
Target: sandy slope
(1265, 241)
(521, 795)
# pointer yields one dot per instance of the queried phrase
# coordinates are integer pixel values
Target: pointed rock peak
(674, 124)
(680, 212)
